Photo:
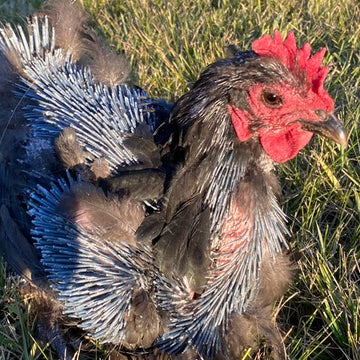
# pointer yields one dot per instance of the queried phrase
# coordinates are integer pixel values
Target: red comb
(294, 58)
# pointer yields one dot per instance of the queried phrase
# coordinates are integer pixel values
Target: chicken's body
(173, 238)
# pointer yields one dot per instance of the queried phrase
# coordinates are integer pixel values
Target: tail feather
(99, 281)
(191, 332)
(35, 79)
(99, 115)
(96, 279)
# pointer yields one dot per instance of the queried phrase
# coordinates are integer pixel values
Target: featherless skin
(155, 226)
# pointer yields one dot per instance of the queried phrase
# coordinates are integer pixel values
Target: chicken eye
(272, 100)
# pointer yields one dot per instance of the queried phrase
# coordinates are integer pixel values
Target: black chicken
(165, 233)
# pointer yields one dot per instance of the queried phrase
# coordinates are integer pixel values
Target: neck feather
(247, 224)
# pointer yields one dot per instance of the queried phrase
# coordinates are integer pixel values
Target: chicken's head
(286, 102)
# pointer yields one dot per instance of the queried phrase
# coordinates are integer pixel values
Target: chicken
(154, 226)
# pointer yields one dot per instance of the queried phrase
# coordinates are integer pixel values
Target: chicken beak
(329, 127)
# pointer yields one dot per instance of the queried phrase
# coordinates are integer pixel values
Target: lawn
(168, 44)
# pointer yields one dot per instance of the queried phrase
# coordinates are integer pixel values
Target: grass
(169, 43)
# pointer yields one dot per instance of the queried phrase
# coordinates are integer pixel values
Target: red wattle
(282, 147)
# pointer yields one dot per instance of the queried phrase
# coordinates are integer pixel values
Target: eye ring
(271, 99)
